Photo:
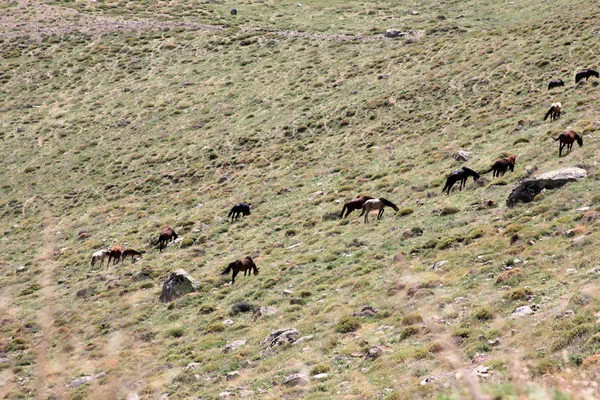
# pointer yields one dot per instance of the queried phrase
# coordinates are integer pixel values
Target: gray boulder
(280, 337)
(527, 190)
(177, 284)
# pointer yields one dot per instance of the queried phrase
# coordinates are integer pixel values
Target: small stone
(225, 395)
(438, 265)
(193, 366)
(461, 300)
(21, 269)
(415, 13)
(393, 33)
(531, 242)
(494, 342)
(304, 339)
(565, 314)
(320, 377)
(583, 209)
(384, 327)
(232, 375)
(521, 311)
(462, 155)
(570, 271)
(233, 345)
(4, 360)
(244, 394)
(481, 371)
(287, 293)
(294, 380)
(228, 322)
(374, 353)
(247, 364)
(85, 379)
(357, 355)
(280, 337)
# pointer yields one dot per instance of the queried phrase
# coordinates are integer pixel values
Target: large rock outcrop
(177, 284)
(527, 190)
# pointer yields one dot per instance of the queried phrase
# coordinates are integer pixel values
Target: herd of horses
(366, 203)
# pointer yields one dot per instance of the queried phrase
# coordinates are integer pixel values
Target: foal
(130, 252)
(376, 204)
(239, 208)
(245, 264)
(165, 237)
(115, 254)
(502, 165)
(354, 204)
(99, 255)
(567, 139)
(553, 112)
(459, 175)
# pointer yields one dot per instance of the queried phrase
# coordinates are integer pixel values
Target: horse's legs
(235, 272)
(380, 213)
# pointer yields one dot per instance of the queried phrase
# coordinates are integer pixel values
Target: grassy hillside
(120, 118)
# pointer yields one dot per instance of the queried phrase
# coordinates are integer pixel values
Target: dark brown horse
(586, 73)
(165, 237)
(553, 112)
(500, 166)
(245, 264)
(115, 254)
(130, 252)
(459, 175)
(354, 204)
(567, 139)
(555, 83)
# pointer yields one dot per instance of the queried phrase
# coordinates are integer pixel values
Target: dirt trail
(48, 301)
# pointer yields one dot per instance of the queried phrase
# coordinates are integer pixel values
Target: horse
(459, 175)
(165, 237)
(553, 112)
(99, 255)
(354, 204)
(245, 264)
(500, 166)
(567, 139)
(239, 208)
(555, 83)
(115, 254)
(586, 73)
(130, 252)
(376, 204)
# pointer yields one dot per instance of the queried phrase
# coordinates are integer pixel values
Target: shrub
(241, 307)
(216, 327)
(320, 369)
(449, 210)
(412, 319)
(409, 331)
(347, 324)
(206, 309)
(175, 332)
(483, 314)
(519, 293)
(405, 211)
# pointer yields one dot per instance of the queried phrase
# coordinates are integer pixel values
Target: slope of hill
(120, 118)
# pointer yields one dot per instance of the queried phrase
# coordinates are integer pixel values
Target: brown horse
(376, 204)
(130, 252)
(586, 73)
(115, 254)
(165, 237)
(553, 112)
(500, 166)
(354, 204)
(555, 83)
(567, 139)
(245, 264)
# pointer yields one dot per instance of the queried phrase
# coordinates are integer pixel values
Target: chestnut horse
(354, 204)
(567, 139)
(376, 204)
(245, 264)
(500, 166)
(115, 254)
(586, 73)
(165, 237)
(553, 112)
(459, 175)
(100, 256)
(555, 83)
(130, 252)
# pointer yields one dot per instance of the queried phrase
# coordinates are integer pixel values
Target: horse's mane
(387, 202)
(469, 170)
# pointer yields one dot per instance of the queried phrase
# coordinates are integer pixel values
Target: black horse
(555, 83)
(586, 73)
(239, 208)
(459, 175)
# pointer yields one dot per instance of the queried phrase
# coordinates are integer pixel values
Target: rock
(384, 327)
(280, 337)
(407, 234)
(438, 265)
(233, 345)
(228, 322)
(462, 155)
(225, 395)
(367, 311)
(414, 13)
(244, 394)
(570, 271)
(316, 195)
(565, 314)
(232, 375)
(233, 11)
(247, 364)
(223, 178)
(294, 380)
(304, 339)
(164, 396)
(400, 257)
(433, 378)
(583, 209)
(264, 311)
(461, 300)
(393, 33)
(578, 241)
(177, 284)
(526, 190)
(494, 342)
(320, 377)
(4, 360)
(21, 269)
(374, 353)
(521, 311)
(481, 371)
(85, 379)
(83, 235)
(193, 366)
(287, 293)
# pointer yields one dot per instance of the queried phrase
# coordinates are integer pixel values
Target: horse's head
(579, 140)
(255, 270)
(475, 176)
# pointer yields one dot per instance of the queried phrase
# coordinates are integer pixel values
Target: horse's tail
(548, 113)
(557, 139)
(226, 270)
(387, 202)
(343, 209)
(488, 171)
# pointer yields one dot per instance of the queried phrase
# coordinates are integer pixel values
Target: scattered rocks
(225, 395)
(521, 311)
(280, 337)
(4, 360)
(578, 241)
(462, 155)
(232, 375)
(193, 366)
(394, 33)
(374, 353)
(526, 190)
(85, 379)
(294, 380)
(233, 346)
(177, 284)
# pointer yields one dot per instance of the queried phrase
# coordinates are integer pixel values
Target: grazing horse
(245, 264)
(239, 208)
(165, 237)
(376, 204)
(459, 175)
(553, 112)
(354, 204)
(555, 83)
(99, 256)
(130, 252)
(500, 166)
(115, 254)
(567, 139)
(586, 73)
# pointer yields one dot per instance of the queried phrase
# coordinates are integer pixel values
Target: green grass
(119, 132)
